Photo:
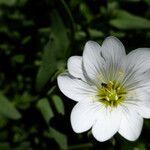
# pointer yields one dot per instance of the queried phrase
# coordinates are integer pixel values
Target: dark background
(36, 39)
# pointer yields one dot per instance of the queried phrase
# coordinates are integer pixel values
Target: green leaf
(56, 48)
(8, 2)
(4, 146)
(79, 35)
(69, 17)
(45, 108)
(141, 146)
(7, 109)
(48, 66)
(95, 33)
(58, 104)
(18, 59)
(125, 20)
(59, 34)
(86, 12)
(60, 138)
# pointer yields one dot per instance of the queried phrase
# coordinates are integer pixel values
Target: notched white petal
(92, 60)
(83, 116)
(75, 89)
(139, 59)
(131, 125)
(75, 67)
(107, 124)
(143, 107)
(113, 50)
(144, 110)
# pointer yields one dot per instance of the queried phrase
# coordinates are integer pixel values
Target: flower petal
(92, 60)
(143, 107)
(138, 82)
(107, 124)
(114, 55)
(139, 59)
(75, 88)
(75, 67)
(83, 116)
(113, 50)
(131, 125)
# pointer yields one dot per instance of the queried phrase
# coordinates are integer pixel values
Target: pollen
(112, 93)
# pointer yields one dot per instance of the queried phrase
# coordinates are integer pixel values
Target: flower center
(112, 93)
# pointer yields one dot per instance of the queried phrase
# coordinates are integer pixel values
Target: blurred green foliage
(37, 38)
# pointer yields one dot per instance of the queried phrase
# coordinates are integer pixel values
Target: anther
(107, 98)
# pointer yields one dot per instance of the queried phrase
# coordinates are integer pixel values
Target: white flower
(112, 89)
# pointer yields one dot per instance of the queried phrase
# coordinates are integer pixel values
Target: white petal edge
(113, 49)
(76, 89)
(107, 124)
(131, 125)
(144, 110)
(75, 67)
(83, 116)
(143, 105)
(92, 60)
(139, 59)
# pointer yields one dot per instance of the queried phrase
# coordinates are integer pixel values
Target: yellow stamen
(112, 93)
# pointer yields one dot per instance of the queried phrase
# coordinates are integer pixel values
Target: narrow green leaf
(86, 12)
(45, 108)
(125, 20)
(68, 15)
(79, 35)
(8, 2)
(18, 59)
(55, 49)
(59, 34)
(7, 109)
(58, 104)
(95, 33)
(60, 138)
(48, 66)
